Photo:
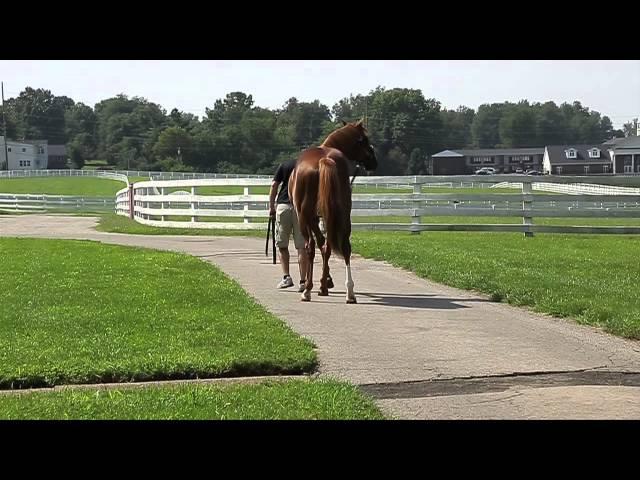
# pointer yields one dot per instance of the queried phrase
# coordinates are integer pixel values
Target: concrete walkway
(423, 350)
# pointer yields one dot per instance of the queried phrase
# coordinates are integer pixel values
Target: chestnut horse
(319, 186)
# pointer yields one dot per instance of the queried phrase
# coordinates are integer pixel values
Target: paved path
(424, 350)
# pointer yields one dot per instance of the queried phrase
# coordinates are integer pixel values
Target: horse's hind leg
(351, 297)
(325, 250)
(310, 250)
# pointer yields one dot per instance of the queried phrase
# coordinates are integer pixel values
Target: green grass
(120, 224)
(274, 400)
(594, 279)
(426, 189)
(85, 312)
(80, 186)
(501, 220)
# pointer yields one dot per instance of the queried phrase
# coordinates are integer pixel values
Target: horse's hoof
(305, 297)
(323, 293)
(330, 283)
(352, 300)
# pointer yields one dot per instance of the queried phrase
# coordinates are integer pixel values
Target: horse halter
(355, 174)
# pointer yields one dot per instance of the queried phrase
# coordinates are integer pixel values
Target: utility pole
(4, 129)
(366, 116)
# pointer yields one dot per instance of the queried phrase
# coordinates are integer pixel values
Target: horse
(319, 187)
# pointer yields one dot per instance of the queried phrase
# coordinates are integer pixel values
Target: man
(286, 224)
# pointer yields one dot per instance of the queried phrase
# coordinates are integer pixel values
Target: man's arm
(272, 197)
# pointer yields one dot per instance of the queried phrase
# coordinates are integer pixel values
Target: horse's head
(353, 141)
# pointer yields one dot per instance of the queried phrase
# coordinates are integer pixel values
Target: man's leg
(298, 241)
(284, 261)
(283, 232)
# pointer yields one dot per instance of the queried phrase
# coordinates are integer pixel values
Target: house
(577, 159)
(617, 156)
(23, 155)
(504, 160)
(57, 156)
(625, 154)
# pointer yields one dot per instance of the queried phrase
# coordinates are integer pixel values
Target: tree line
(236, 136)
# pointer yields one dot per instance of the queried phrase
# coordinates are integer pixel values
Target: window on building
(559, 170)
(594, 153)
(40, 149)
(9, 148)
(605, 169)
(28, 163)
(482, 159)
(586, 169)
(24, 149)
(521, 158)
(571, 153)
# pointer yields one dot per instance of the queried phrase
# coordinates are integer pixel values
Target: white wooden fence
(187, 204)
(63, 173)
(10, 202)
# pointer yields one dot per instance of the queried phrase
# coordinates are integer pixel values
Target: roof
(557, 155)
(490, 151)
(627, 142)
(447, 153)
(56, 150)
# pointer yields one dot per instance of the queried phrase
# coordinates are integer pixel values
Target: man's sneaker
(286, 282)
(302, 286)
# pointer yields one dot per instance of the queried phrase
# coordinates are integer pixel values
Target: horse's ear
(344, 124)
(359, 122)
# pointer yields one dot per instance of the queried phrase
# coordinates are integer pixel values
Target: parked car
(485, 171)
(519, 170)
(533, 172)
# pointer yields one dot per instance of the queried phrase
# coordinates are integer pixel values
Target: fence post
(131, 204)
(415, 218)
(246, 207)
(527, 204)
(163, 217)
(193, 205)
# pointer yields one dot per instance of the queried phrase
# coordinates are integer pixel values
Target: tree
(38, 114)
(416, 165)
(550, 128)
(485, 129)
(517, 126)
(456, 127)
(630, 129)
(128, 128)
(174, 142)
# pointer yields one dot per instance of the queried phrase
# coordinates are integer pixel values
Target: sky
(610, 87)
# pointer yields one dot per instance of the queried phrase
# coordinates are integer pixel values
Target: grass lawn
(80, 186)
(85, 312)
(273, 400)
(120, 224)
(592, 278)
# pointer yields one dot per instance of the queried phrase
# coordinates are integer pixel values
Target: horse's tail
(329, 195)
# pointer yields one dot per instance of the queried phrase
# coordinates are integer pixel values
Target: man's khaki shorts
(287, 222)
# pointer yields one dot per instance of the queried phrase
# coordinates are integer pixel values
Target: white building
(24, 156)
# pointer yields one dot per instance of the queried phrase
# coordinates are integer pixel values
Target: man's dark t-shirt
(282, 175)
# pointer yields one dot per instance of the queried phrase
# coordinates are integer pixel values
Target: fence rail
(122, 173)
(10, 202)
(63, 173)
(155, 203)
